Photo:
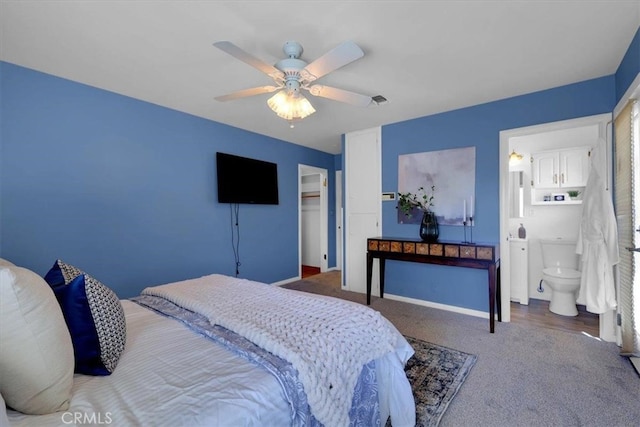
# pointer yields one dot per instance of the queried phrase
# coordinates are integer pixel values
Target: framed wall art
(453, 175)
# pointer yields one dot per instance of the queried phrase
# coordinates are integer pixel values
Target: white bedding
(327, 340)
(169, 376)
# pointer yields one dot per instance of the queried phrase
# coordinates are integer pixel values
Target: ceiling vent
(379, 99)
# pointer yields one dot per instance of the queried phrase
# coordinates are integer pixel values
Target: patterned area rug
(436, 374)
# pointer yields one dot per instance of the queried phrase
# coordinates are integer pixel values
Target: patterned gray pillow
(95, 318)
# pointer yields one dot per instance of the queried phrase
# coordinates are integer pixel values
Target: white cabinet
(519, 267)
(561, 169)
(544, 168)
(554, 173)
(574, 167)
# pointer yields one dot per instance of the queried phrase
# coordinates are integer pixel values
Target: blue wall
(629, 68)
(126, 190)
(477, 126)
(480, 126)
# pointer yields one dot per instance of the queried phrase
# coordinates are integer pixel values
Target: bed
(217, 351)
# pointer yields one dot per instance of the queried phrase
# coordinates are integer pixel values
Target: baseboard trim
(285, 281)
(295, 279)
(445, 307)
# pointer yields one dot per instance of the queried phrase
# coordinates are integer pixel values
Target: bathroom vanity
(519, 270)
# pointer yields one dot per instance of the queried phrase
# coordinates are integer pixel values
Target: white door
(362, 183)
(339, 213)
(324, 222)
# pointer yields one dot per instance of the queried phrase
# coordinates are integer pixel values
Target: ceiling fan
(292, 74)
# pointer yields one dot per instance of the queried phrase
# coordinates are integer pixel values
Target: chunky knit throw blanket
(326, 339)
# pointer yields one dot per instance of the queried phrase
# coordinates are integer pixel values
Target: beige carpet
(524, 375)
(406, 317)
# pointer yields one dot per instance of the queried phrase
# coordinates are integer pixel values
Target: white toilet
(561, 274)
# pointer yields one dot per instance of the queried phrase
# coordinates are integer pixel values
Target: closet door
(362, 177)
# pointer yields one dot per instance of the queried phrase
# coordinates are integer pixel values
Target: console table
(458, 254)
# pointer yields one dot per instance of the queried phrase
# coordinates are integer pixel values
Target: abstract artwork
(452, 173)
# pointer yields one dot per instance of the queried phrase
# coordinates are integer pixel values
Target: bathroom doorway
(540, 219)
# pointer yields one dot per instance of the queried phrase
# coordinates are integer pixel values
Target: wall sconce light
(514, 157)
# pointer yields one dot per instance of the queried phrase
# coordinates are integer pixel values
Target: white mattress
(169, 376)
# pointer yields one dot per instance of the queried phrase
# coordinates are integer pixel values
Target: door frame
(604, 121)
(304, 170)
(339, 216)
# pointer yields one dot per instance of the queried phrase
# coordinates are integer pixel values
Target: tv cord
(235, 237)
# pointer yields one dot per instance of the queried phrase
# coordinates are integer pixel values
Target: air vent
(379, 99)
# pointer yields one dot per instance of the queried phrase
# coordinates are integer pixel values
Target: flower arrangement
(573, 193)
(420, 200)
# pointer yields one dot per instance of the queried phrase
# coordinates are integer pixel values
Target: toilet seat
(561, 277)
(562, 273)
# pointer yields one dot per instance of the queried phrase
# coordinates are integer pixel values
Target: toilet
(561, 274)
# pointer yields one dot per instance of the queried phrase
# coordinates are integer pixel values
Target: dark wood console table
(471, 255)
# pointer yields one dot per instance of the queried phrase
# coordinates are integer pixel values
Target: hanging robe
(597, 239)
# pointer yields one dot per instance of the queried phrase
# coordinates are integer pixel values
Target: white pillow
(36, 354)
(6, 263)
(4, 418)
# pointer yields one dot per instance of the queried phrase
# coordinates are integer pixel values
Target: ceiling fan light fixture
(290, 106)
(293, 74)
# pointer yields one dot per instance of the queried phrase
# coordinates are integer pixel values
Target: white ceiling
(425, 57)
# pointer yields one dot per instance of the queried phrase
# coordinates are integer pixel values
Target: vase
(522, 232)
(429, 231)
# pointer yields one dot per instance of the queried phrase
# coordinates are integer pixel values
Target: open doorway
(521, 260)
(312, 220)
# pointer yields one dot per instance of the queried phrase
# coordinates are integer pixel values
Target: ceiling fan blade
(247, 92)
(337, 57)
(246, 57)
(340, 95)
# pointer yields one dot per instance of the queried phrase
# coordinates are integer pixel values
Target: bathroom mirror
(516, 194)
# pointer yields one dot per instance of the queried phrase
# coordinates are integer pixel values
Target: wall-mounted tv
(245, 180)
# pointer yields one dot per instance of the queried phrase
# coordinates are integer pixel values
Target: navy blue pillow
(61, 274)
(94, 316)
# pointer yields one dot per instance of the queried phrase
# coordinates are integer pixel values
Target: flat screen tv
(245, 180)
